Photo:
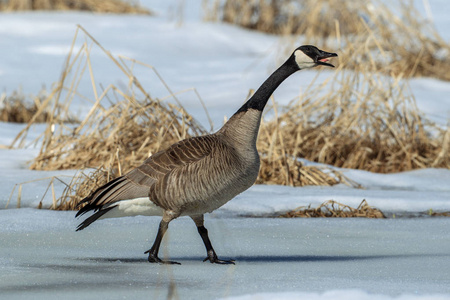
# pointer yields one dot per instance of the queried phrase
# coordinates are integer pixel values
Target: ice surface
(42, 256)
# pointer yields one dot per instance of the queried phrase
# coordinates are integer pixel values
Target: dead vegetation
(82, 185)
(16, 108)
(50, 187)
(123, 128)
(440, 214)
(305, 17)
(333, 209)
(395, 39)
(281, 164)
(120, 136)
(107, 6)
(285, 170)
(368, 119)
(365, 121)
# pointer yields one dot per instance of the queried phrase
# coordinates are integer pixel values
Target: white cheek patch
(303, 61)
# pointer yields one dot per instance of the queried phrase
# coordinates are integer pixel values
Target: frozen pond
(42, 256)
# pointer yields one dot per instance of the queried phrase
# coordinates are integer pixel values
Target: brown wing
(137, 182)
(176, 156)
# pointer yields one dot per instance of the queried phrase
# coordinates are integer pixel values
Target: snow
(334, 295)
(41, 256)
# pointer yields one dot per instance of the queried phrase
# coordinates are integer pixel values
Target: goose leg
(153, 251)
(212, 256)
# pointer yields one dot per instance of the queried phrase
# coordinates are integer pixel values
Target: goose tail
(105, 198)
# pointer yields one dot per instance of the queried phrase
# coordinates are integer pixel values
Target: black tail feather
(94, 217)
(95, 196)
(84, 209)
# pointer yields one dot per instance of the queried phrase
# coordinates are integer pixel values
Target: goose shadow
(269, 258)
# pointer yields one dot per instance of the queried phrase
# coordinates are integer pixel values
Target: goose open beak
(323, 58)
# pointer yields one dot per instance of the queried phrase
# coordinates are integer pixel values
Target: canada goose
(199, 174)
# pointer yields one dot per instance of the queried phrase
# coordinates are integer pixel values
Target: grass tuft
(122, 128)
(106, 6)
(368, 119)
(17, 108)
(365, 121)
(396, 39)
(333, 209)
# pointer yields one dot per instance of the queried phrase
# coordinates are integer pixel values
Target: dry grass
(108, 6)
(403, 44)
(280, 163)
(121, 136)
(81, 186)
(365, 121)
(286, 170)
(119, 131)
(122, 129)
(17, 108)
(441, 214)
(50, 187)
(333, 209)
(368, 120)
(307, 17)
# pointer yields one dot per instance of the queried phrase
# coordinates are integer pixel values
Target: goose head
(309, 56)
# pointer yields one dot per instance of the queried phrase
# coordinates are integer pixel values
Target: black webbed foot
(219, 261)
(152, 258)
(212, 257)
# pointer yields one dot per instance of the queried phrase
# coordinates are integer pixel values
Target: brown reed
(401, 39)
(106, 6)
(120, 131)
(18, 108)
(118, 134)
(364, 121)
(333, 209)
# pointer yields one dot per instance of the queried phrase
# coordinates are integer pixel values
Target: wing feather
(138, 182)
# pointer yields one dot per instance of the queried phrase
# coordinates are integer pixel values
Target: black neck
(259, 99)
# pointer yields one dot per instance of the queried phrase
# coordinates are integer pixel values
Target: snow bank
(336, 295)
